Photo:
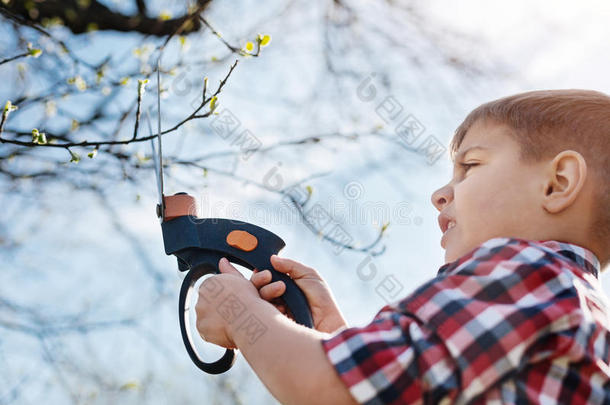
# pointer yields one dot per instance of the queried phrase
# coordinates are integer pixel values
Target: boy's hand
(218, 296)
(326, 315)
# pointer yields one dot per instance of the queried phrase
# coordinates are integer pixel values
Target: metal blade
(158, 154)
(156, 159)
(159, 122)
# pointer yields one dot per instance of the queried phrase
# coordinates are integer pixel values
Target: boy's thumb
(225, 266)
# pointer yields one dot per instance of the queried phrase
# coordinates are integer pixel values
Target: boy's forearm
(289, 358)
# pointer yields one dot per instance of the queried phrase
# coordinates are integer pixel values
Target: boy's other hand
(326, 314)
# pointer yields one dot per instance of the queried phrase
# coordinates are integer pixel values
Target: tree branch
(193, 115)
(80, 17)
(141, 7)
(3, 61)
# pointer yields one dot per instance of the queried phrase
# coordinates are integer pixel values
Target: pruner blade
(156, 156)
(158, 153)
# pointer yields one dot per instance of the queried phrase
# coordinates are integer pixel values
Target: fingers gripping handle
(227, 360)
(293, 297)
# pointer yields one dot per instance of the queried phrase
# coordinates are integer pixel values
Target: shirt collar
(584, 258)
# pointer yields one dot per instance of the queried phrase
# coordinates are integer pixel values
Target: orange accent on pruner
(179, 205)
(242, 240)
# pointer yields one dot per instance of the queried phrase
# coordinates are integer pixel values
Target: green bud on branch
(74, 157)
(8, 108)
(38, 137)
(33, 51)
(142, 87)
(263, 40)
(213, 104)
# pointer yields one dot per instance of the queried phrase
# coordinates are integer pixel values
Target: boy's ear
(566, 178)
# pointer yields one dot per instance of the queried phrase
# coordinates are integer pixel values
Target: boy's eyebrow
(460, 155)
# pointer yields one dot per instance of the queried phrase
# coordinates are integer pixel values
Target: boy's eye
(467, 166)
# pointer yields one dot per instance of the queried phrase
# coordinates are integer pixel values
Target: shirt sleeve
(393, 360)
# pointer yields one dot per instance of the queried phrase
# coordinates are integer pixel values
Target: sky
(552, 45)
(532, 44)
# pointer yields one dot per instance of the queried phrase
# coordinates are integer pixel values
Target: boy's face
(498, 196)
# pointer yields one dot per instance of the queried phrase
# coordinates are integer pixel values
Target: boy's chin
(452, 252)
(449, 255)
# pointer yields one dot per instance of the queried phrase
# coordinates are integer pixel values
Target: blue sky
(68, 263)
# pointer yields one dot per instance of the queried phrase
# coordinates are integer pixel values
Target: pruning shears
(199, 243)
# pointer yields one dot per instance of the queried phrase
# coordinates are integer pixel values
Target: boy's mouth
(450, 226)
(445, 222)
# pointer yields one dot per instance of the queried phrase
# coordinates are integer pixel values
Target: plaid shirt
(512, 321)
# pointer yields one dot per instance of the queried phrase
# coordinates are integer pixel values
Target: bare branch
(141, 4)
(80, 17)
(3, 61)
(232, 48)
(193, 115)
(203, 103)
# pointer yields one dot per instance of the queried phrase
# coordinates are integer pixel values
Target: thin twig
(3, 61)
(203, 103)
(232, 48)
(135, 129)
(2, 126)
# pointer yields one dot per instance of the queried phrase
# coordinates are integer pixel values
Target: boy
(515, 315)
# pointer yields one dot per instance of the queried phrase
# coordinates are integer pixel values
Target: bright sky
(545, 45)
(551, 44)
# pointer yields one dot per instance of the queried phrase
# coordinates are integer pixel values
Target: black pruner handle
(199, 244)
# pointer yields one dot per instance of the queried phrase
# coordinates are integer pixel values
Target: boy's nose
(442, 197)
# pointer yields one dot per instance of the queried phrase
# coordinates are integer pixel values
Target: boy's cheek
(477, 217)
(479, 206)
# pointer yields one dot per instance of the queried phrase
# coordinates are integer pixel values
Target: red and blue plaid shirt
(512, 321)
